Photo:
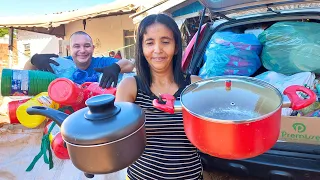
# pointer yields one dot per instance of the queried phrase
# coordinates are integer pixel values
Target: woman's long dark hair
(142, 66)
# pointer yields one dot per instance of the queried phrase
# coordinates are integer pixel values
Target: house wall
(106, 32)
(107, 35)
(5, 54)
(39, 43)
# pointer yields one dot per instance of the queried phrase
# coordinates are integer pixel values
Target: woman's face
(158, 47)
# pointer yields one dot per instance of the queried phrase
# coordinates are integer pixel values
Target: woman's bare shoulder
(127, 90)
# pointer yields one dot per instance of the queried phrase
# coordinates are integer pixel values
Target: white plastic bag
(281, 82)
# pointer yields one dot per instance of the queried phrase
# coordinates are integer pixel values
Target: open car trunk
(286, 160)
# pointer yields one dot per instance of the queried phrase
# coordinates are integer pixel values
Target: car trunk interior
(284, 156)
(239, 26)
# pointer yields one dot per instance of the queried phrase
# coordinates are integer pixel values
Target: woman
(168, 154)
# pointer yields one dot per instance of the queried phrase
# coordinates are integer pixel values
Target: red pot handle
(165, 103)
(296, 102)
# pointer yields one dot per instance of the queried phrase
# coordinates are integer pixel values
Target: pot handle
(296, 102)
(164, 103)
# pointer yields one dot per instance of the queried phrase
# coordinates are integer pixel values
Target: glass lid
(234, 98)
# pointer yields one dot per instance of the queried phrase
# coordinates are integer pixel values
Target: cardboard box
(300, 129)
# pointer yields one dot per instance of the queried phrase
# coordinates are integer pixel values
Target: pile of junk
(32, 146)
(282, 53)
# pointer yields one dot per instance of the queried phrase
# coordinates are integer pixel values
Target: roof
(54, 20)
(160, 6)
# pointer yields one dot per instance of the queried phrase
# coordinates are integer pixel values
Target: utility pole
(10, 47)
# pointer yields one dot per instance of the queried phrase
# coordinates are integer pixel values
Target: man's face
(81, 49)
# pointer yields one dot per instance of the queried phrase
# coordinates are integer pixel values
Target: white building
(30, 43)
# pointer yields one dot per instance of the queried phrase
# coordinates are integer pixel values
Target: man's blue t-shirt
(96, 62)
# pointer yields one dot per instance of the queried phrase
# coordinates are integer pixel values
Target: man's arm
(112, 69)
(126, 66)
(29, 66)
(41, 62)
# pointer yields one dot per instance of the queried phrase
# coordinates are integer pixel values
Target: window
(27, 50)
(129, 44)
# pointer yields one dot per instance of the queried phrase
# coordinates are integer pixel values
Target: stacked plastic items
(80, 77)
(57, 144)
(229, 53)
(59, 148)
(25, 82)
(53, 132)
(56, 128)
(32, 121)
(12, 109)
(68, 69)
(93, 89)
(37, 87)
(65, 69)
(56, 141)
(66, 92)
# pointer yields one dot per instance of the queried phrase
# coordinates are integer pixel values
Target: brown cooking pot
(102, 138)
(233, 117)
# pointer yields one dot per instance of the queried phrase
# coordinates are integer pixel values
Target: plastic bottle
(58, 147)
(65, 92)
(15, 82)
(32, 121)
(65, 69)
(12, 109)
(79, 76)
(93, 89)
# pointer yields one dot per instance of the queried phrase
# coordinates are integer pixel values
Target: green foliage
(4, 31)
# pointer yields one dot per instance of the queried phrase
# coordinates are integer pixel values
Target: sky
(38, 7)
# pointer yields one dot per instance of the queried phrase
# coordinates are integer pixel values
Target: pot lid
(231, 98)
(103, 121)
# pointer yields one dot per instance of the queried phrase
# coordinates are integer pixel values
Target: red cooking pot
(233, 117)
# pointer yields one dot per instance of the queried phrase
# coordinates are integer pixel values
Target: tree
(4, 31)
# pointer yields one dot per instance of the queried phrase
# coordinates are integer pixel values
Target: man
(82, 48)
